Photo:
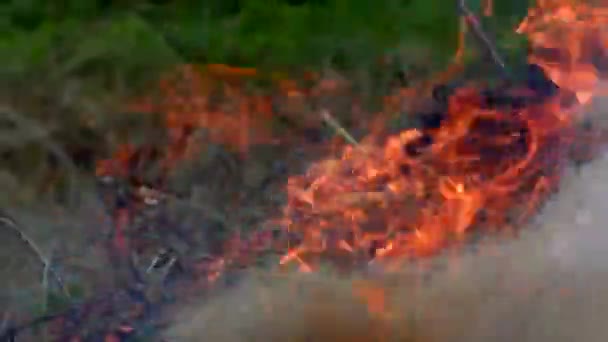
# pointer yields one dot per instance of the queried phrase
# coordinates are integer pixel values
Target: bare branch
(330, 120)
(473, 22)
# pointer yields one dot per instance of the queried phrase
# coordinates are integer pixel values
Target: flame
(480, 161)
(389, 198)
(419, 191)
(565, 36)
(373, 296)
(187, 99)
(187, 96)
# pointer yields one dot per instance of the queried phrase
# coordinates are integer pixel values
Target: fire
(485, 166)
(566, 36)
(391, 197)
(187, 97)
(412, 202)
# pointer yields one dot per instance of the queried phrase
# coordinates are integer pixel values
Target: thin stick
(35, 131)
(6, 221)
(477, 30)
(488, 9)
(330, 120)
(45, 284)
(462, 33)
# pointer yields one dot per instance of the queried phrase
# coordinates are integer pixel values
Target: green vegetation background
(138, 37)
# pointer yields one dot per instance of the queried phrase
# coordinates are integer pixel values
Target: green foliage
(145, 34)
(353, 32)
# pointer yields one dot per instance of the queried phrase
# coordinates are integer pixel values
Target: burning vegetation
(485, 159)
(480, 165)
(481, 159)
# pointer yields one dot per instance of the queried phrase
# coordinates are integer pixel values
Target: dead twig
(473, 22)
(330, 120)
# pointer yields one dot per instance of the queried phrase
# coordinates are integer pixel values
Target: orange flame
(575, 32)
(481, 168)
(480, 161)
(187, 96)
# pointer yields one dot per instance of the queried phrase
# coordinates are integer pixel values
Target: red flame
(481, 168)
(387, 198)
